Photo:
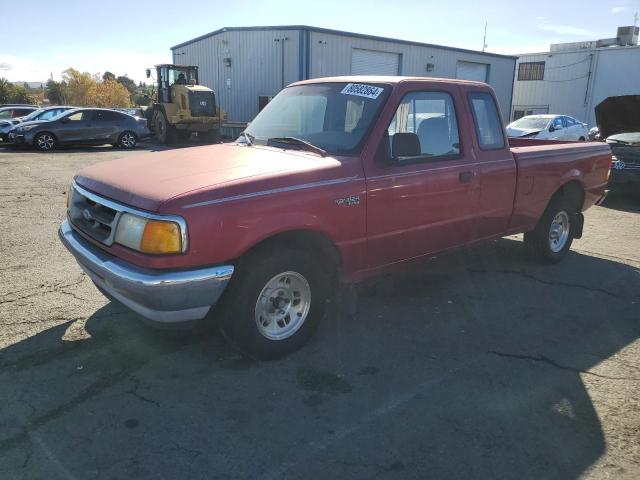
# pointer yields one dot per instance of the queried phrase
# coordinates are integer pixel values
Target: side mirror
(65, 120)
(148, 71)
(405, 145)
(552, 128)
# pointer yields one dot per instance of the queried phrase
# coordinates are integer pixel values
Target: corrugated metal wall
(256, 66)
(331, 55)
(568, 88)
(256, 63)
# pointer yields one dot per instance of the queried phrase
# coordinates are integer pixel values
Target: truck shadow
(625, 202)
(476, 365)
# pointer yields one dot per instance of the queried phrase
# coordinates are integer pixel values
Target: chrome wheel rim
(128, 140)
(283, 305)
(559, 232)
(46, 142)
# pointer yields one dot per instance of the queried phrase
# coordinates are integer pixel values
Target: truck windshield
(332, 116)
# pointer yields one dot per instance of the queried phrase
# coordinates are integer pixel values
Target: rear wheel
(164, 132)
(127, 139)
(550, 241)
(45, 142)
(274, 303)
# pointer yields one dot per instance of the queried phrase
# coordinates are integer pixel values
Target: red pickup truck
(337, 179)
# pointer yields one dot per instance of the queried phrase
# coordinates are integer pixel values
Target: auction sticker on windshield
(361, 90)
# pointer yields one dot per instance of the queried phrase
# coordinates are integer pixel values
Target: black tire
(45, 142)
(544, 246)
(164, 132)
(240, 311)
(127, 139)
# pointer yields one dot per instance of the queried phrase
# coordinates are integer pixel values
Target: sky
(125, 37)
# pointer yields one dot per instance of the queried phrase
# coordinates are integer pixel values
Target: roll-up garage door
(371, 62)
(472, 71)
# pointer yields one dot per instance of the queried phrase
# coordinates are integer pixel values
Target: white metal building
(572, 78)
(245, 63)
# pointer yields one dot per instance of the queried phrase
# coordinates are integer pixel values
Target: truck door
(421, 201)
(496, 166)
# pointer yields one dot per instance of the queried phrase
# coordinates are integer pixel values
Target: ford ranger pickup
(336, 180)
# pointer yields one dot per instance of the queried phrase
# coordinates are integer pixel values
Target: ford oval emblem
(86, 214)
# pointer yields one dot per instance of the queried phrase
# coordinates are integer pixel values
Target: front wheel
(274, 303)
(127, 140)
(45, 142)
(550, 241)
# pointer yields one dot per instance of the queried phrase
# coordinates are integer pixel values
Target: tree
(22, 95)
(6, 90)
(111, 94)
(106, 76)
(127, 83)
(81, 87)
(56, 92)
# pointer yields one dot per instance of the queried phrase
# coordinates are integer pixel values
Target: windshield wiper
(298, 142)
(248, 138)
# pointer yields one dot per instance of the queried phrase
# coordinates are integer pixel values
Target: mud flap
(579, 224)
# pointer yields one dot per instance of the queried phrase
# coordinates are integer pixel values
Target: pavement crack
(547, 282)
(551, 362)
(56, 287)
(134, 391)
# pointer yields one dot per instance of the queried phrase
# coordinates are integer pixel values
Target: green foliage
(107, 76)
(55, 92)
(10, 93)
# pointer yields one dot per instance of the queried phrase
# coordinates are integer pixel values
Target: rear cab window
(487, 121)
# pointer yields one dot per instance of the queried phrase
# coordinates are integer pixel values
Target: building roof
(335, 32)
(386, 79)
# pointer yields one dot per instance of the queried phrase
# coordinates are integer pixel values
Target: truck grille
(92, 216)
(202, 104)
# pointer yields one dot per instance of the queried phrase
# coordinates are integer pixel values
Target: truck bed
(544, 165)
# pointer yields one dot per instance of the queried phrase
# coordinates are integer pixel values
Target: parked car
(13, 111)
(334, 181)
(618, 119)
(46, 113)
(81, 126)
(594, 134)
(548, 127)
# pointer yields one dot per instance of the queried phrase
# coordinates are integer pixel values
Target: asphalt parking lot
(475, 365)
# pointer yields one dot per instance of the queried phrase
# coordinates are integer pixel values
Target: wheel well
(307, 240)
(573, 191)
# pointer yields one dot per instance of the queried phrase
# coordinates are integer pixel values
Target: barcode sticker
(361, 90)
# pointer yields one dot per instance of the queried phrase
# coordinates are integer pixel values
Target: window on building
(531, 71)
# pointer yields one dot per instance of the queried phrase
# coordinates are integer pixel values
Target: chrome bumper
(601, 200)
(164, 297)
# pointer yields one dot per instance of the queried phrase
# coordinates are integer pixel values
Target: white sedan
(548, 127)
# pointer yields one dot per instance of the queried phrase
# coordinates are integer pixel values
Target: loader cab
(170, 75)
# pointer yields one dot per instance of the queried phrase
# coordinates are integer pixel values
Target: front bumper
(163, 297)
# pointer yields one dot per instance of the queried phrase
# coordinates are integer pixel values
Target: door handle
(465, 177)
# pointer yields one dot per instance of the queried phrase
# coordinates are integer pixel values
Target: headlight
(149, 235)
(26, 128)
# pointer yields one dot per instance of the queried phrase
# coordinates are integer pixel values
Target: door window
(557, 123)
(79, 116)
(431, 117)
(106, 116)
(487, 121)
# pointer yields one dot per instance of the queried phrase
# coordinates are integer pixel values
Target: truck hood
(618, 115)
(147, 181)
